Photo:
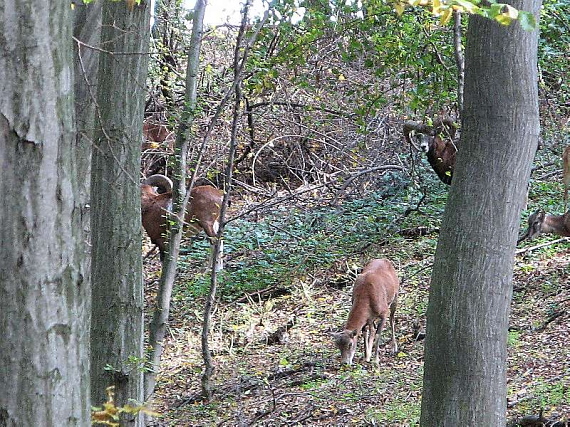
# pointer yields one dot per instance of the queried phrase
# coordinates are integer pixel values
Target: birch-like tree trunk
(459, 58)
(44, 286)
(117, 316)
(470, 295)
(157, 328)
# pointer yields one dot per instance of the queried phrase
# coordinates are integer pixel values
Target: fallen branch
(551, 319)
(247, 383)
(542, 245)
(537, 421)
(264, 294)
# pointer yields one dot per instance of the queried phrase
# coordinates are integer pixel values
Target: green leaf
(527, 20)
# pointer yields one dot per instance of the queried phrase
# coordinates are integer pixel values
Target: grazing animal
(440, 154)
(374, 297)
(541, 222)
(566, 174)
(202, 212)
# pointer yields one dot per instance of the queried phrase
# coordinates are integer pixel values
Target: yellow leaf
(399, 8)
(341, 77)
(446, 16)
(436, 7)
(510, 11)
(503, 19)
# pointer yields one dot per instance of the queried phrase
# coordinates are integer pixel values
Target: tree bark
(459, 58)
(117, 316)
(87, 38)
(467, 317)
(44, 286)
(86, 33)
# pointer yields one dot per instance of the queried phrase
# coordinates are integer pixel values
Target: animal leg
(377, 334)
(392, 324)
(366, 335)
(371, 331)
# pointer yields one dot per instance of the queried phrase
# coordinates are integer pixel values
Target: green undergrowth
(303, 250)
(291, 244)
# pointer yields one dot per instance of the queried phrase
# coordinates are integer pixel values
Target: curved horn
(162, 182)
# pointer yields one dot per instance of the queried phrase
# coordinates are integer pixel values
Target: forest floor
(294, 377)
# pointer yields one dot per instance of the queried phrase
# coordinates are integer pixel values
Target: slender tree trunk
(240, 55)
(207, 375)
(470, 295)
(44, 286)
(180, 200)
(459, 58)
(117, 317)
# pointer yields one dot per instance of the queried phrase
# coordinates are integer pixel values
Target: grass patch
(395, 414)
(548, 395)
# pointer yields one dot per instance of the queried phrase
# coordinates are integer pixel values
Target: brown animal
(566, 174)
(155, 134)
(541, 222)
(202, 212)
(157, 146)
(374, 297)
(440, 154)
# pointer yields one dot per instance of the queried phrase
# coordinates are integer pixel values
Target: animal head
(346, 343)
(440, 154)
(425, 141)
(535, 222)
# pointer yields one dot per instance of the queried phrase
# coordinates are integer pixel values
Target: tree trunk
(117, 316)
(87, 33)
(241, 52)
(459, 59)
(180, 197)
(44, 287)
(467, 317)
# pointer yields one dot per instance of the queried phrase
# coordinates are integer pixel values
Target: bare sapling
(566, 174)
(374, 299)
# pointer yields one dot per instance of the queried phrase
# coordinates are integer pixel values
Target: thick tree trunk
(117, 316)
(44, 288)
(465, 350)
